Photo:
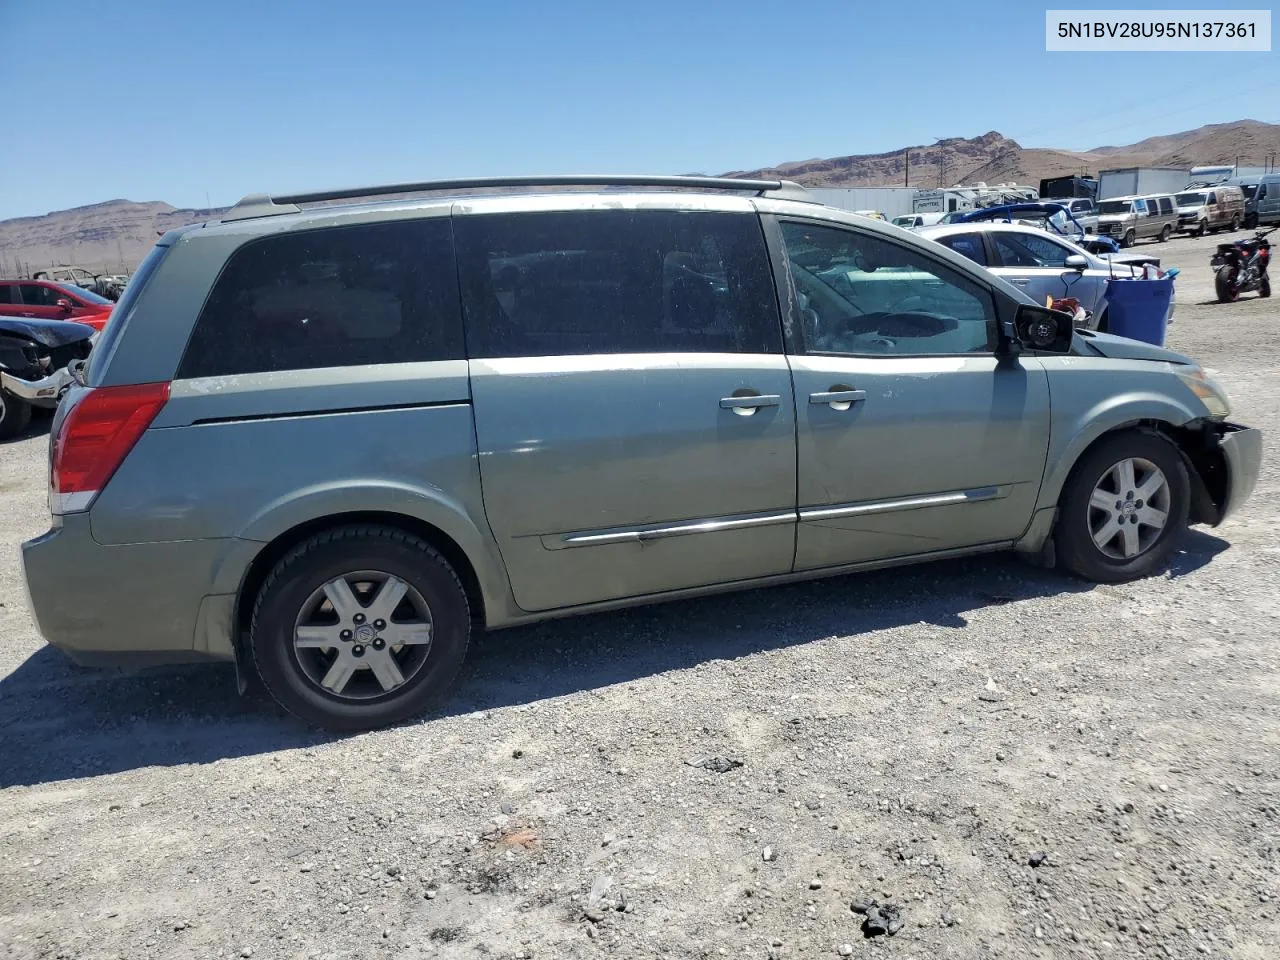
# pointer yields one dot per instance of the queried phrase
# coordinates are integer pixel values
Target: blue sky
(177, 100)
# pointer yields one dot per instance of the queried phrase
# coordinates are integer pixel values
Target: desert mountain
(105, 236)
(994, 158)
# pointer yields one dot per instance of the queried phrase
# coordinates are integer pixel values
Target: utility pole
(906, 168)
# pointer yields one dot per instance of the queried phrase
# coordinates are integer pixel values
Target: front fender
(1086, 406)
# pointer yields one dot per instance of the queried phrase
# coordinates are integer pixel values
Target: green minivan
(328, 442)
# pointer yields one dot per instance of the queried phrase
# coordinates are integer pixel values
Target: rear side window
(967, 245)
(6, 293)
(347, 296)
(616, 281)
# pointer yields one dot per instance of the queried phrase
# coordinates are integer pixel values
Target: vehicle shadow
(59, 721)
(41, 421)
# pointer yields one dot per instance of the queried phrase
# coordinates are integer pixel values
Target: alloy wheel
(1129, 508)
(362, 635)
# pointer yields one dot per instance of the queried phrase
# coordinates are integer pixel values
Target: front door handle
(1017, 282)
(747, 405)
(839, 399)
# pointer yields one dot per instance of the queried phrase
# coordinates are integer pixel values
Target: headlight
(1208, 390)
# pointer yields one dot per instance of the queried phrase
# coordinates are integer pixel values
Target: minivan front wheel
(360, 627)
(1124, 509)
(1130, 238)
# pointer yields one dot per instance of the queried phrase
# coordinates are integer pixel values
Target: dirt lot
(920, 736)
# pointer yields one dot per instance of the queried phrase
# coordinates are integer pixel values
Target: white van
(912, 220)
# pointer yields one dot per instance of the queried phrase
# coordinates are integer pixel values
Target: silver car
(330, 443)
(1040, 264)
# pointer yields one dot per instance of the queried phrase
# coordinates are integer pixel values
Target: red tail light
(95, 436)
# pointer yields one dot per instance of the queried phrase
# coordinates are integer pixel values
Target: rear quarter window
(102, 352)
(345, 296)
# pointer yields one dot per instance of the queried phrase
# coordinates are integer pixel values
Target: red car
(50, 300)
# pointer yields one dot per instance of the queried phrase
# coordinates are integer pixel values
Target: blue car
(1057, 219)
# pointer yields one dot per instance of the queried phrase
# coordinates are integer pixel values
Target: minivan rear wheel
(360, 627)
(1123, 509)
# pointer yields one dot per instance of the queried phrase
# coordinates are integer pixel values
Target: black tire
(1264, 287)
(1235, 224)
(1075, 547)
(1164, 234)
(1250, 221)
(15, 415)
(1224, 284)
(1202, 228)
(336, 553)
(1130, 238)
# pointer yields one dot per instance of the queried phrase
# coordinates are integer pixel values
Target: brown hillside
(993, 158)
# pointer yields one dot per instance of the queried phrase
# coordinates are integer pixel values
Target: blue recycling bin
(1139, 309)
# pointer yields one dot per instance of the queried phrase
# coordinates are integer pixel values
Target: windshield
(1190, 199)
(88, 296)
(1115, 206)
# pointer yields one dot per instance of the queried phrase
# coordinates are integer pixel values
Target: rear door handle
(843, 397)
(750, 402)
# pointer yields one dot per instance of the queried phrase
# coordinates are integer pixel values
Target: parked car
(329, 443)
(1039, 265)
(1130, 219)
(912, 220)
(1085, 212)
(35, 360)
(106, 285)
(1210, 209)
(51, 300)
(1269, 199)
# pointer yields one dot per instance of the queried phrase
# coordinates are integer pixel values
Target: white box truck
(1141, 181)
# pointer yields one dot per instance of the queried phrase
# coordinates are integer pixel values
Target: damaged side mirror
(1039, 329)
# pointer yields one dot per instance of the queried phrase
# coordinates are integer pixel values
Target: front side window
(616, 281)
(1029, 250)
(84, 296)
(346, 296)
(861, 295)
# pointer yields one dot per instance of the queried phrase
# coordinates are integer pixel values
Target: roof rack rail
(263, 205)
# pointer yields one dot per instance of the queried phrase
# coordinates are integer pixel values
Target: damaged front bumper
(42, 392)
(1226, 464)
(1242, 448)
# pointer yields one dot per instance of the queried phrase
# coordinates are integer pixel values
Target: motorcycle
(1241, 266)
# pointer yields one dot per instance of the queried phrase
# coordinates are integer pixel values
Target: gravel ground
(1022, 764)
